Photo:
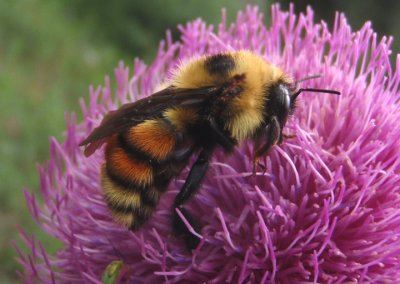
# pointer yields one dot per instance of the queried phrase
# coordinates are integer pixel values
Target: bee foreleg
(272, 136)
(190, 187)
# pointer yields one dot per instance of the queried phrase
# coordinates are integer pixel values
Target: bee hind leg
(181, 229)
(190, 187)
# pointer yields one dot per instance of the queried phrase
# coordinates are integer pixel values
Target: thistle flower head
(326, 210)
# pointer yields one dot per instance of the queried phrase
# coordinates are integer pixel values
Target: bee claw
(263, 167)
(256, 163)
(288, 136)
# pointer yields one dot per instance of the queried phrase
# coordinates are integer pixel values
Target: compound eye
(287, 102)
(284, 98)
(280, 103)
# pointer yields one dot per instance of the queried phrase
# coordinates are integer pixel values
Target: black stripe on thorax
(220, 64)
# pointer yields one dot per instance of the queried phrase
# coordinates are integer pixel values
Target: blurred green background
(51, 51)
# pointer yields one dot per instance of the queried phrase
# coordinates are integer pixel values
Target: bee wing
(132, 114)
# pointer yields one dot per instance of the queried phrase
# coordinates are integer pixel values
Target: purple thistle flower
(327, 210)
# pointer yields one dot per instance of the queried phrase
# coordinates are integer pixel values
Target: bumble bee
(212, 101)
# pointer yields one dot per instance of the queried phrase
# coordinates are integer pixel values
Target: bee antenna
(294, 96)
(308, 78)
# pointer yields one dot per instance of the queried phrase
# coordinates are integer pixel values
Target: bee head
(280, 102)
(282, 98)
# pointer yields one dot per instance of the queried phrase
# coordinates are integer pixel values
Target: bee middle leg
(189, 188)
